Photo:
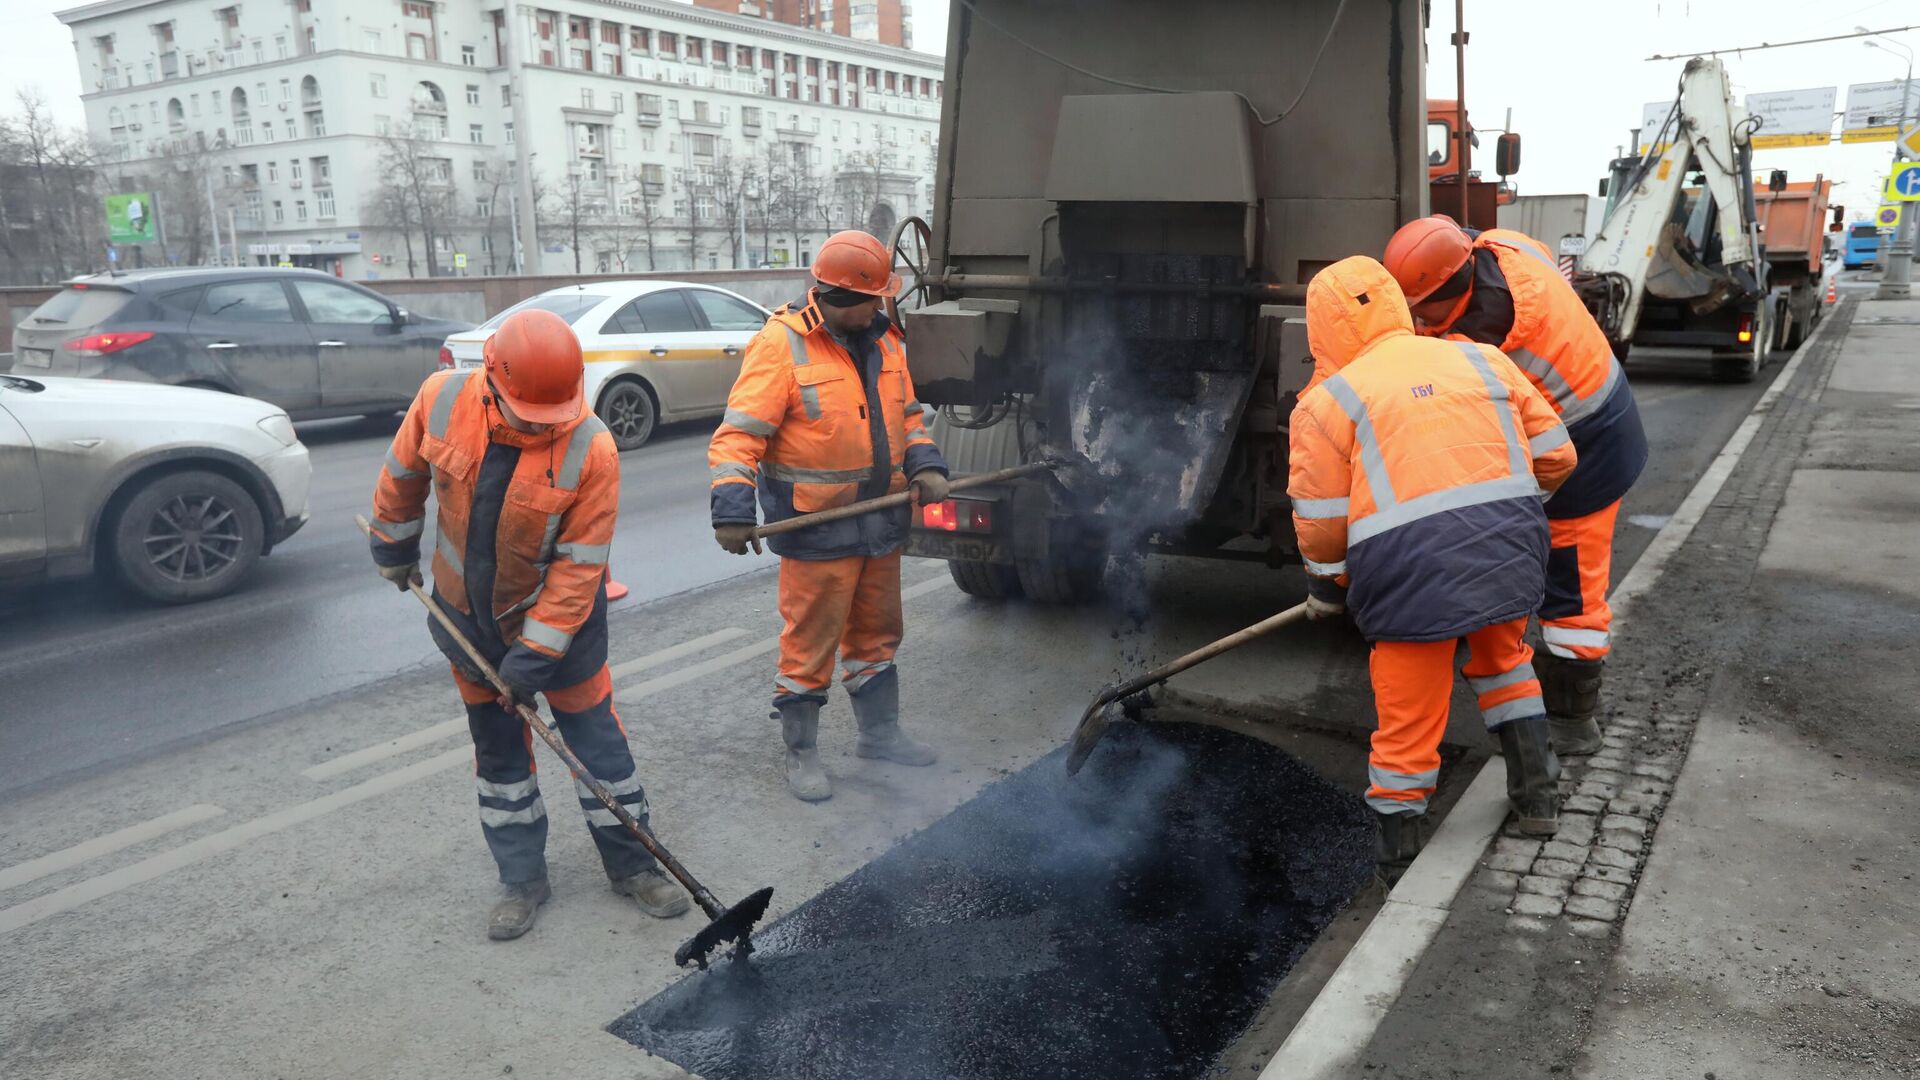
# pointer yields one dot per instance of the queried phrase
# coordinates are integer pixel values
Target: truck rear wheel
(988, 581)
(1064, 577)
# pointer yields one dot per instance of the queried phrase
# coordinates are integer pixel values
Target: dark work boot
(1571, 689)
(1533, 775)
(1397, 839)
(877, 708)
(800, 726)
(514, 915)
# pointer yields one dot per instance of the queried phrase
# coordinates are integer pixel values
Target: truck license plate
(963, 548)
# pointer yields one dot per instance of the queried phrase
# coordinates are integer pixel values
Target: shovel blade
(1087, 736)
(734, 924)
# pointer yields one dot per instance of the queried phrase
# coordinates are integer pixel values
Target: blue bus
(1863, 245)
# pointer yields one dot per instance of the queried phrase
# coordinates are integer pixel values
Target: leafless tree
(730, 181)
(860, 188)
(51, 222)
(183, 179)
(416, 192)
(574, 209)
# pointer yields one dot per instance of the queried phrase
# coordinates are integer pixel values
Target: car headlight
(280, 426)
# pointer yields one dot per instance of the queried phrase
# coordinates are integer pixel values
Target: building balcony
(647, 120)
(429, 108)
(707, 123)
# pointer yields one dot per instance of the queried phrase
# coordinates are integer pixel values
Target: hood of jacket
(1352, 306)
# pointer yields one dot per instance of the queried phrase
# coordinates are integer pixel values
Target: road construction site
(296, 890)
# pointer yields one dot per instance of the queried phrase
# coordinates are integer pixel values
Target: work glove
(403, 575)
(929, 486)
(1318, 609)
(736, 537)
(520, 696)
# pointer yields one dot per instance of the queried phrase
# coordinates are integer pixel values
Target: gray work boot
(1398, 838)
(800, 725)
(877, 708)
(1571, 689)
(657, 894)
(1533, 775)
(514, 915)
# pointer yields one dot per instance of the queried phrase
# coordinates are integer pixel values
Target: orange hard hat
(1425, 253)
(533, 361)
(855, 261)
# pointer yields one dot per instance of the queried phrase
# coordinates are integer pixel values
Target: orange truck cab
(1444, 168)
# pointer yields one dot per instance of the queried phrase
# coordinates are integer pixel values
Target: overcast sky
(1575, 75)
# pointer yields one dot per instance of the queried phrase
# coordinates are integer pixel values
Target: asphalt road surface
(95, 678)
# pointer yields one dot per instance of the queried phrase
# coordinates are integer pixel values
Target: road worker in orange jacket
(1417, 468)
(822, 415)
(528, 483)
(1502, 288)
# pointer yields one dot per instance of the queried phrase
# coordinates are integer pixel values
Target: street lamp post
(1896, 282)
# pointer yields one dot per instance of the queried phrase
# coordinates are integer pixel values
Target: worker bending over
(1416, 473)
(528, 483)
(1501, 288)
(822, 415)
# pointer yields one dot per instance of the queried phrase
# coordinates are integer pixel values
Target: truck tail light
(1746, 329)
(102, 344)
(957, 515)
(446, 357)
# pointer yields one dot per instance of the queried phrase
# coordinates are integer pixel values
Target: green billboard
(132, 218)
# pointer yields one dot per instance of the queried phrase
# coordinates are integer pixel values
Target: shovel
(898, 498)
(1093, 723)
(725, 923)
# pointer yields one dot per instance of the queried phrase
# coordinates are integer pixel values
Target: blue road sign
(1908, 182)
(1904, 184)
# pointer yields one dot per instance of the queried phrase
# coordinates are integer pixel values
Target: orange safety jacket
(1417, 466)
(524, 527)
(814, 422)
(1520, 304)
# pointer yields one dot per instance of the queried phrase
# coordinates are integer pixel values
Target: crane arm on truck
(1641, 249)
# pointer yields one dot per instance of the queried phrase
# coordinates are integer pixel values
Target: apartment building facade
(390, 138)
(888, 22)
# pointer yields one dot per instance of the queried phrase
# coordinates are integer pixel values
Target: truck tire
(1743, 365)
(1061, 578)
(988, 581)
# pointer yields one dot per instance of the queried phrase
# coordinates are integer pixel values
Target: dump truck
(1450, 164)
(1794, 222)
(1129, 200)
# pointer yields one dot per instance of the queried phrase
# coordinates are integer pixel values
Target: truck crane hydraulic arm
(1642, 249)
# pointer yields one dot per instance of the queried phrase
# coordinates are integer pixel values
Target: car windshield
(567, 305)
(79, 308)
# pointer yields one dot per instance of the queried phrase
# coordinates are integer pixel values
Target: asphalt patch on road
(1130, 921)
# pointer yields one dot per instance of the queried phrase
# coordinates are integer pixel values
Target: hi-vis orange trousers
(1412, 682)
(850, 606)
(1575, 621)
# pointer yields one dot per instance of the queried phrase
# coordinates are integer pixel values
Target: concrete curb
(1334, 1032)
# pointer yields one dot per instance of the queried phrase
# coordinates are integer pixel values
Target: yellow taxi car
(656, 351)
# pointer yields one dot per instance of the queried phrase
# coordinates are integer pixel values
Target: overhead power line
(1780, 44)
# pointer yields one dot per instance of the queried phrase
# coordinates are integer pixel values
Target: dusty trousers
(512, 815)
(1412, 682)
(1575, 621)
(849, 607)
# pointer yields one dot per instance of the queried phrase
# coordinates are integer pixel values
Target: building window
(483, 207)
(286, 89)
(259, 51)
(417, 47)
(293, 129)
(479, 172)
(382, 124)
(266, 131)
(322, 170)
(702, 146)
(440, 170)
(294, 171)
(300, 210)
(467, 55)
(586, 97)
(370, 40)
(273, 172)
(377, 85)
(619, 103)
(509, 127)
(619, 138)
(473, 95)
(279, 213)
(280, 46)
(475, 134)
(324, 205)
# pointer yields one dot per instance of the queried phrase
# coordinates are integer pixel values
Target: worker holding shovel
(528, 483)
(1417, 468)
(823, 415)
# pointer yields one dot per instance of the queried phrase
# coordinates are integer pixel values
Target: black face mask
(842, 298)
(1453, 286)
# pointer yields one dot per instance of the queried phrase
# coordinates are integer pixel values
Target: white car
(656, 351)
(177, 491)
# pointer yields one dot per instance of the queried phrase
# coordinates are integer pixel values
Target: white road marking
(207, 847)
(1649, 521)
(1335, 1030)
(427, 736)
(54, 862)
(198, 851)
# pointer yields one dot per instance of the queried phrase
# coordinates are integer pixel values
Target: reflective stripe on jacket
(1416, 467)
(554, 501)
(812, 427)
(1521, 305)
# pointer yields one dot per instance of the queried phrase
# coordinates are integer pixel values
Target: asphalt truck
(1129, 200)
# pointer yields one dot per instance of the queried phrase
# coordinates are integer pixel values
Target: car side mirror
(401, 316)
(1777, 182)
(1506, 154)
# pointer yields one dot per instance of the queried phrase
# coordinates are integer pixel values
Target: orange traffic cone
(1833, 292)
(615, 590)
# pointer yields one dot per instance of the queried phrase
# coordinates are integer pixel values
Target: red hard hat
(533, 360)
(1425, 253)
(855, 260)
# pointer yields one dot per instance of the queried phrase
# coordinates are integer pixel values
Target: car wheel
(187, 536)
(628, 411)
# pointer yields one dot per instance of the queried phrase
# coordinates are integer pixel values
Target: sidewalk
(1776, 926)
(1732, 893)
